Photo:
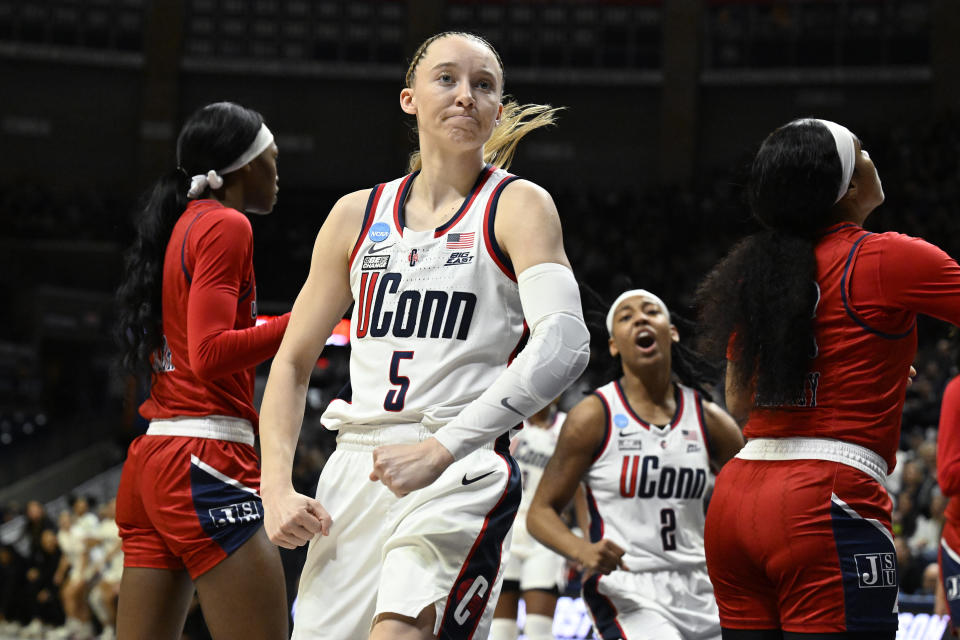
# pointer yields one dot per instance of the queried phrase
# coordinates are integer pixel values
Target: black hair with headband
(687, 365)
(760, 298)
(213, 137)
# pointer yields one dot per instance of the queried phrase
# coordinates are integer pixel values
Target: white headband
(846, 149)
(629, 294)
(199, 183)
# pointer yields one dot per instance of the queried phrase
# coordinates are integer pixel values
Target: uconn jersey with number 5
(436, 313)
(646, 486)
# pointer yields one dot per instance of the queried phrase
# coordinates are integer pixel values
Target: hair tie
(214, 179)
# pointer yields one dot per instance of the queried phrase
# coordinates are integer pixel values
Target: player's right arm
(292, 519)
(580, 437)
(948, 440)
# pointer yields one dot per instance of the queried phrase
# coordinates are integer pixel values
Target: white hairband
(846, 149)
(214, 179)
(629, 294)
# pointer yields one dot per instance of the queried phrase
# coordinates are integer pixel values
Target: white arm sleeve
(556, 354)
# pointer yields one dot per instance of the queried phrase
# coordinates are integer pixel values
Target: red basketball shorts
(801, 545)
(187, 502)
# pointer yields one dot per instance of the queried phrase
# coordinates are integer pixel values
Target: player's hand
(292, 519)
(403, 468)
(600, 557)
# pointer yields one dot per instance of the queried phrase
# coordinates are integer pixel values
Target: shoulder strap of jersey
(606, 425)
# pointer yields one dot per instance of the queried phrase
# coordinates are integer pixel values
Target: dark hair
(763, 293)
(212, 138)
(687, 365)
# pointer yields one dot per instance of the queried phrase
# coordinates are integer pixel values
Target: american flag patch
(460, 240)
(689, 435)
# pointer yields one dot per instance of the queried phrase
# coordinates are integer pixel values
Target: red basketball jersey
(871, 287)
(211, 342)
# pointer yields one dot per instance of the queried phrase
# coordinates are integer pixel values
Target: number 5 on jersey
(396, 397)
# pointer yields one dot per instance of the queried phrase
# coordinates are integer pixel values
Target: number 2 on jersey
(396, 397)
(668, 522)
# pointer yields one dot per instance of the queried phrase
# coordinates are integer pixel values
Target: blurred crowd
(60, 579)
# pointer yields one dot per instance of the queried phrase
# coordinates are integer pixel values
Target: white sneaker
(60, 633)
(33, 631)
(84, 631)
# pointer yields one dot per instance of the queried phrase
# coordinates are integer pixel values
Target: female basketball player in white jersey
(415, 504)
(644, 445)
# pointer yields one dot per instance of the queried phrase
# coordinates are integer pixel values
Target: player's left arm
(725, 436)
(527, 228)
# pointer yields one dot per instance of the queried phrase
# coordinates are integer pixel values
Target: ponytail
(139, 330)
(757, 305)
(516, 121)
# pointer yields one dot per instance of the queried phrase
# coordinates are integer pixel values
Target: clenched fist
(292, 519)
(407, 467)
(602, 556)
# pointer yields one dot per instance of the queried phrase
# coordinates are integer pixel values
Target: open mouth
(645, 340)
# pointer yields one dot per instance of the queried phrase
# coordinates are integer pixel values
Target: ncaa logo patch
(379, 232)
(620, 421)
(876, 570)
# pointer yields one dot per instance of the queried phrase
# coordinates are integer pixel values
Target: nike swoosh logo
(467, 481)
(506, 403)
(627, 435)
(378, 248)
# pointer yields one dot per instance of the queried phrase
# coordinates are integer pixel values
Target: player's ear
(407, 102)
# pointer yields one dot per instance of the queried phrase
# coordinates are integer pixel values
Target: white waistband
(846, 453)
(369, 437)
(213, 427)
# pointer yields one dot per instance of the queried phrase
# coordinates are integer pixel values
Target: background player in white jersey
(644, 445)
(533, 571)
(422, 490)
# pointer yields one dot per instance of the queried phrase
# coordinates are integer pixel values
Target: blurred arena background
(666, 101)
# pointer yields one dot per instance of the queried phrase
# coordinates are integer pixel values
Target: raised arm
(292, 519)
(580, 437)
(527, 227)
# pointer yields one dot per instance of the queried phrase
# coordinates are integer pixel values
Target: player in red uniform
(818, 320)
(188, 506)
(948, 477)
